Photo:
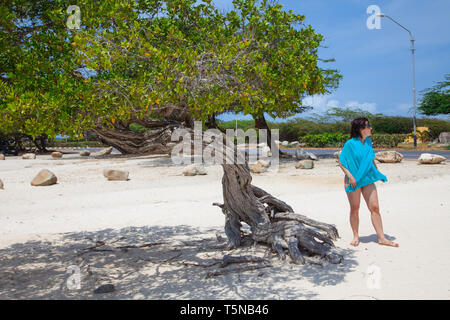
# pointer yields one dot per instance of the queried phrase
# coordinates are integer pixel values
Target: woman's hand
(352, 181)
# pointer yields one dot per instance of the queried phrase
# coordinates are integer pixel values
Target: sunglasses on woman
(367, 126)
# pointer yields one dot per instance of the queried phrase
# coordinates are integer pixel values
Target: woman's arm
(344, 169)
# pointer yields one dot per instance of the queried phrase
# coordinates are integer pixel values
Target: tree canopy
(436, 100)
(132, 59)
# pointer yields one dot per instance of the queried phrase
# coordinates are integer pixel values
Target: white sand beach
(45, 230)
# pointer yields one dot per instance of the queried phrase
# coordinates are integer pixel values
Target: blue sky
(376, 64)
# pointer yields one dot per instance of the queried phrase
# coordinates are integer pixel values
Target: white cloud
(321, 104)
(367, 106)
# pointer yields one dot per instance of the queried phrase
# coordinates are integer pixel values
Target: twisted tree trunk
(271, 220)
(155, 140)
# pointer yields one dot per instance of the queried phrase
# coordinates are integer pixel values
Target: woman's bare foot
(355, 242)
(387, 242)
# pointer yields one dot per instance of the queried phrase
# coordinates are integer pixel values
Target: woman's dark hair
(357, 124)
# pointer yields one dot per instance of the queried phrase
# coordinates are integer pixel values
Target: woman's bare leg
(354, 198)
(370, 195)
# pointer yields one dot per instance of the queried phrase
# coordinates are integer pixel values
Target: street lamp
(382, 15)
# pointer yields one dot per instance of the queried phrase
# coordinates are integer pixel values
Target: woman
(357, 160)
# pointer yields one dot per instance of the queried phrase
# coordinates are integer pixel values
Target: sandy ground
(48, 231)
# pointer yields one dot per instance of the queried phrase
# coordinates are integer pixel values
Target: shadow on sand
(165, 263)
(374, 238)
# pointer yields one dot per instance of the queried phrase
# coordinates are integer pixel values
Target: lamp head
(381, 15)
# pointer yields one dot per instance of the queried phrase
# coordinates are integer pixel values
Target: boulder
(57, 155)
(103, 152)
(115, 175)
(258, 167)
(85, 153)
(295, 143)
(1, 184)
(262, 145)
(429, 158)
(388, 156)
(29, 156)
(265, 152)
(285, 143)
(305, 164)
(301, 154)
(264, 163)
(44, 178)
(444, 137)
(2, 156)
(194, 169)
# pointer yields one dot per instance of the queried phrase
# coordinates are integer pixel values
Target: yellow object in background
(411, 138)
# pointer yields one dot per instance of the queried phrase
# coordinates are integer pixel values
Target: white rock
(259, 167)
(57, 155)
(388, 156)
(264, 163)
(194, 169)
(301, 154)
(29, 156)
(428, 158)
(285, 143)
(115, 175)
(444, 137)
(44, 178)
(305, 164)
(262, 145)
(265, 151)
(85, 153)
(2, 156)
(103, 152)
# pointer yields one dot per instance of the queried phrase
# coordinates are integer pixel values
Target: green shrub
(337, 140)
(324, 139)
(435, 126)
(387, 140)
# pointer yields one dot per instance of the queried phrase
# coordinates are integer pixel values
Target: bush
(435, 126)
(338, 140)
(387, 140)
(325, 139)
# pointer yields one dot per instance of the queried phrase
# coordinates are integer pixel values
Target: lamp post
(413, 72)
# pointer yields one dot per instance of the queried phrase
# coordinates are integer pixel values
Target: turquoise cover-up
(357, 158)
